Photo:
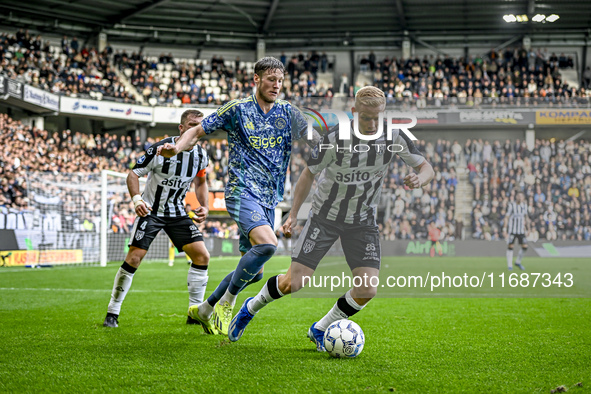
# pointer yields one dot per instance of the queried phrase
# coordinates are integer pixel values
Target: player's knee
(133, 260)
(524, 247)
(200, 259)
(510, 247)
(267, 250)
(133, 263)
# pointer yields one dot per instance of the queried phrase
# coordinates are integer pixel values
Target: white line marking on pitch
(86, 290)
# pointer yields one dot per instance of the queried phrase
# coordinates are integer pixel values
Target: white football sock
(121, 286)
(510, 258)
(263, 297)
(229, 298)
(337, 313)
(196, 283)
(519, 256)
(205, 310)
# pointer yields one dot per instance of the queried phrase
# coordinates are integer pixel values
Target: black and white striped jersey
(352, 173)
(516, 215)
(169, 178)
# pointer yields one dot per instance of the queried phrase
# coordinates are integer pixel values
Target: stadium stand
(69, 70)
(556, 179)
(516, 75)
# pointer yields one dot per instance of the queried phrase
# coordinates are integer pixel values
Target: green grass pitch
(52, 339)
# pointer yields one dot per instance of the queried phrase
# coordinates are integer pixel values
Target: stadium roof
(299, 23)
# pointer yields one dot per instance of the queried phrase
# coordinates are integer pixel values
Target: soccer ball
(344, 338)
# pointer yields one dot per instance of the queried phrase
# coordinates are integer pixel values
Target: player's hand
(199, 215)
(142, 209)
(287, 227)
(167, 150)
(412, 181)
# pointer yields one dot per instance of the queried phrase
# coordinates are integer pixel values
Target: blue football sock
(249, 266)
(220, 290)
(223, 286)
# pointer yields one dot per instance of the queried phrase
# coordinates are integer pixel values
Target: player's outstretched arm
(202, 194)
(302, 189)
(424, 175)
(184, 142)
(133, 185)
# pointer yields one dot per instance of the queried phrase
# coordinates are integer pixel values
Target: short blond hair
(370, 96)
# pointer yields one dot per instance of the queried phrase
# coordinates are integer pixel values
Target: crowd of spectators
(514, 75)
(73, 70)
(555, 177)
(79, 71)
(163, 80)
(412, 211)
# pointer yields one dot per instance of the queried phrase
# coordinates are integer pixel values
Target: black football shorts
(181, 231)
(360, 242)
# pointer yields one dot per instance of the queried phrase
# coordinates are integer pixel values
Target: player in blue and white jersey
(260, 132)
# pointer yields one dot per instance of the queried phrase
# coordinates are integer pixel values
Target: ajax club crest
(280, 123)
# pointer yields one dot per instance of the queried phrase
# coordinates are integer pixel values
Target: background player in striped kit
(344, 206)
(260, 132)
(161, 207)
(516, 226)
